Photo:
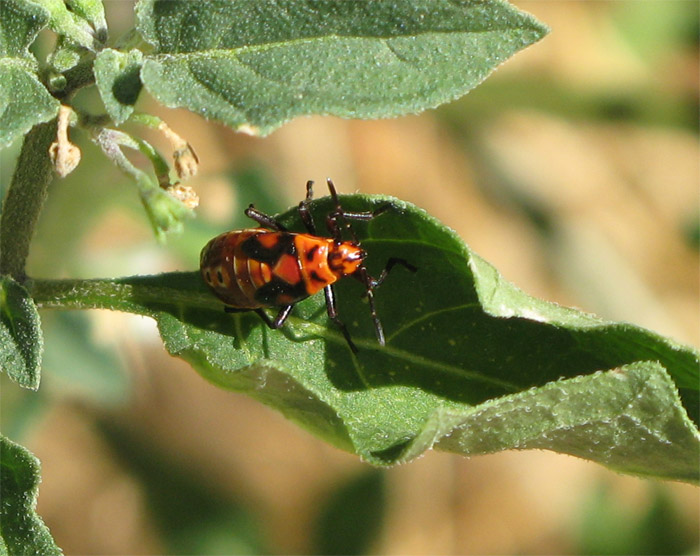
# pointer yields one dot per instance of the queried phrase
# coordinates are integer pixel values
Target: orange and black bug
(272, 267)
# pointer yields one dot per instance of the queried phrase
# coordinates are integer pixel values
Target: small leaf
(20, 22)
(24, 101)
(20, 334)
(21, 530)
(254, 66)
(472, 364)
(69, 25)
(92, 11)
(166, 212)
(117, 78)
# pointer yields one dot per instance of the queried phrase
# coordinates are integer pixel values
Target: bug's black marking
(315, 277)
(256, 251)
(311, 253)
(270, 292)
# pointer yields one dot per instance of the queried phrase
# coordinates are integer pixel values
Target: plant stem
(26, 196)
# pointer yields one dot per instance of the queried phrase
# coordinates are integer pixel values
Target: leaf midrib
(262, 47)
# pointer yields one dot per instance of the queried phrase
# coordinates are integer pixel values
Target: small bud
(65, 156)
(185, 194)
(186, 162)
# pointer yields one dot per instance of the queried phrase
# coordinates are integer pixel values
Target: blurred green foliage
(610, 525)
(352, 516)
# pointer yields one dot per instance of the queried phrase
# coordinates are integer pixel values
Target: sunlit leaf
(255, 65)
(472, 364)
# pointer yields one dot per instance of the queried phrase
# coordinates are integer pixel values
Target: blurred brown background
(574, 169)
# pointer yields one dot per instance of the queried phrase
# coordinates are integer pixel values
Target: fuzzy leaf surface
(117, 78)
(472, 364)
(24, 101)
(21, 341)
(256, 65)
(22, 531)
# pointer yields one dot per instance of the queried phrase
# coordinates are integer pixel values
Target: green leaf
(20, 22)
(24, 101)
(117, 78)
(20, 334)
(472, 364)
(92, 11)
(21, 530)
(166, 213)
(69, 25)
(256, 65)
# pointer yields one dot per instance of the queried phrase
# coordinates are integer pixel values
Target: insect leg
(370, 283)
(279, 319)
(333, 315)
(335, 220)
(264, 219)
(393, 261)
(334, 228)
(304, 209)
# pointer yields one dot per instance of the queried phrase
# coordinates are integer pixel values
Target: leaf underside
(256, 65)
(472, 365)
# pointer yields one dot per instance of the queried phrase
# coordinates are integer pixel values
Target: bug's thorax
(322, 262)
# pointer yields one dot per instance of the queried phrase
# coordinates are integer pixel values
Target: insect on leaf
(472, 365)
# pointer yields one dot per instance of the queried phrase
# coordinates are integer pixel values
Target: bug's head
(346, 258)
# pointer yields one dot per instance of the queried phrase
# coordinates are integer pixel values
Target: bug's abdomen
(254, 268)
(232, 275)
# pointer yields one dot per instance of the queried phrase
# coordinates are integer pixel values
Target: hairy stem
(25, 197)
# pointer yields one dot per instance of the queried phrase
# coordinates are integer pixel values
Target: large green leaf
(472, 364)
(21, 341)
(255, 65)
(21, 530)
(24, 101)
